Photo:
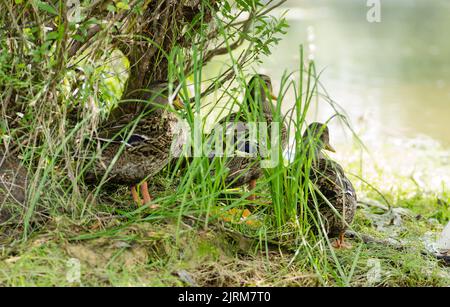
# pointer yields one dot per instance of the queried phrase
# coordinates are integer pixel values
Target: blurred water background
(391, 77)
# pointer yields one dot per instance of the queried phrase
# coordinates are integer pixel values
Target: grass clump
(70, 233)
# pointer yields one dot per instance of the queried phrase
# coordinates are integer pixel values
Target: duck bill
(273, 96)
(329, 147)
(178, 104)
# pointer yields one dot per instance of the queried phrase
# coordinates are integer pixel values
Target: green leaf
(55, 35)
(92, 21)
(78, 37)
(123, 6)
(46, 7)
(227, 7)
(111, 8)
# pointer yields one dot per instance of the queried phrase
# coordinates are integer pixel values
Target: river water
(392, 77)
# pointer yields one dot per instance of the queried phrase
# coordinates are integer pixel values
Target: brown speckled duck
(144, 134)
(244, 169)
(329, 178)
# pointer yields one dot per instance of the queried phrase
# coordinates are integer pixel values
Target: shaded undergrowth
(189, 239)
(122, 247)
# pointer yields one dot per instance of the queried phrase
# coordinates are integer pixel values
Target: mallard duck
(329, 178)
(144, 134)
(244, 166)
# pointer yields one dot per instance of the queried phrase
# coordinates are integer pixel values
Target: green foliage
(63, 94)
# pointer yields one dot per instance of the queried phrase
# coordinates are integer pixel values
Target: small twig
(77, 45)
(232, 46)
(376, 205)
(369, 239)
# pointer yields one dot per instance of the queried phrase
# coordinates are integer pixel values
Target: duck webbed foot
(251, 187)
(340, 243)
(145, 193)
(137, 199)
(147, 197)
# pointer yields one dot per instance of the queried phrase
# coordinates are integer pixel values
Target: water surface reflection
(392, 77)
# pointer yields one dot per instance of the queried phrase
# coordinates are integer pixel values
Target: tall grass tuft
(61, 104)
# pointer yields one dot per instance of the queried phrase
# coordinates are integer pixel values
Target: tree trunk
(155, 33)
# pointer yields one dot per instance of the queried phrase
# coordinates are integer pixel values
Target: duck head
(318, 135)
(158, 94)
(260, 91)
